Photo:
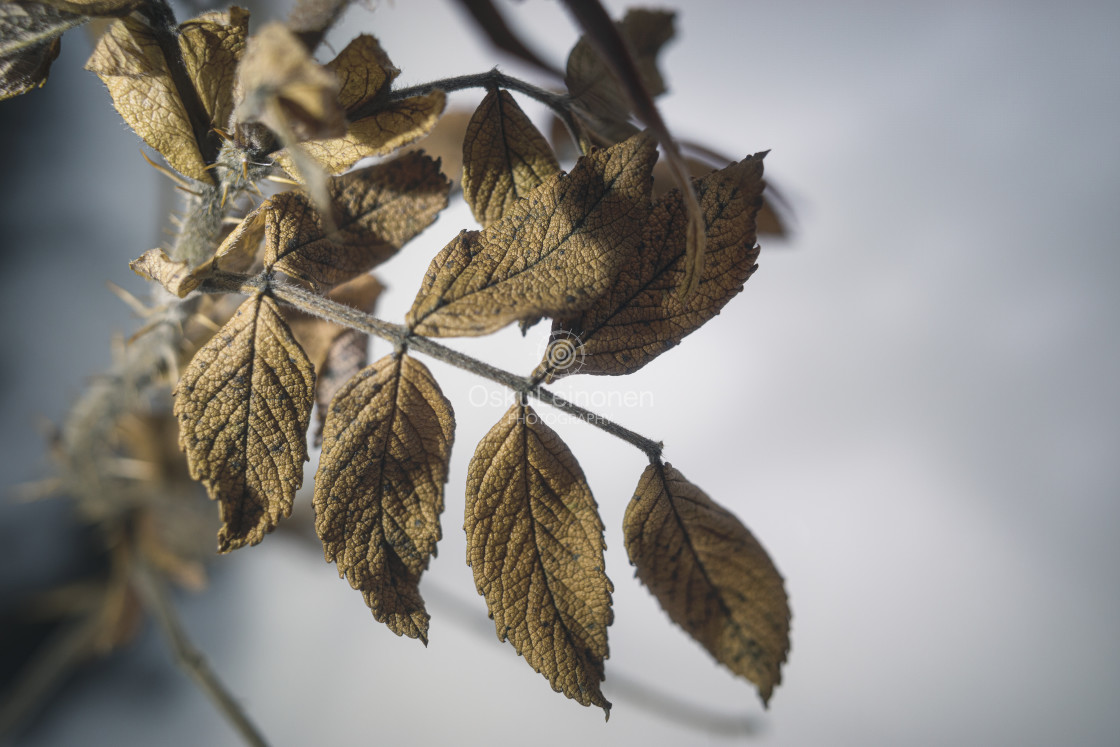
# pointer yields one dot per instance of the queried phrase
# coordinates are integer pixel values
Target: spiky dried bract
(243, 405)
(365, 74)
(505, 157)
(379, 488)
(642, 315)
(175, 277)
(710, 575)
(535, 544)
(130, 61)
(377, 210)
(554, 254)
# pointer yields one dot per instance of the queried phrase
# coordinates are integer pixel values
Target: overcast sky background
(914, 404)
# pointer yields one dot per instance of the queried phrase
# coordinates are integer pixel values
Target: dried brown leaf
(379, 488)
(710, 575)
(347, 354)
(149, 92)
(376, 128)
(554, 254)
(176, 277)
(243, 405)
(281, 86)
(377, 210)
(27, 69)
(505, 157)
(535, 544)
(445, 144)
(642, 315)
(599, 98)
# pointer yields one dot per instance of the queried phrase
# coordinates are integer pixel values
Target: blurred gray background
(914, 405)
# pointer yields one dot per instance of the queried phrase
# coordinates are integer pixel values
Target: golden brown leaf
(710, 575)
(347, 354)
(535, 544)
(445, 144)
(379, 488)
(243, 405)
(642, 315)
(555, 253)
(281, 86)
(365, 74)
(504, 157)
(176, 277)
(377, 210)
(149, 94)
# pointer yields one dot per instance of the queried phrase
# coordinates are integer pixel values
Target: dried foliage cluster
(623, 273)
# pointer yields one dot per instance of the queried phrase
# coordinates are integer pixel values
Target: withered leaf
(280, 85)
(149, 92)
(377, 210)
(554, 254)
(175, 277)
(642, 315)
(243, 405)
(347, 354)
(598, 97)
(29, 43)
(445, 144)
(505, 157)
(379, 488)
(365, 75)
(535, 544)
(710, 575)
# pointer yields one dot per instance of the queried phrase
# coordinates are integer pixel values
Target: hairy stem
(399, 335)
(559, 103)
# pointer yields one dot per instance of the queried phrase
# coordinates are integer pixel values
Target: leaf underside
(710, 575)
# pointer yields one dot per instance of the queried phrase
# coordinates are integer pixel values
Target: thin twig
(156, 599)
(317, 305)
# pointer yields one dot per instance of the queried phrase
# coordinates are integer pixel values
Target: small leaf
(379, 488)
(535, 544)
(599, 98)
(149, 94)
(376, 128)
(554, 254)
(29, 43)
(710, 575)
(347, 354)
(377, 210)
(175, 277)
(642, 315)
(504, 157)
(243, 405)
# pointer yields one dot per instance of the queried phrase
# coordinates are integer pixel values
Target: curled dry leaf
(505, 157)
(377, 127)
(379, 488)
(174, 109)
(642, 315)
(29, 43)
(377, 210)
(243, 405)
(175, 277)
(535, 544)
(281, 86)
(710, 575)
(554, 254)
